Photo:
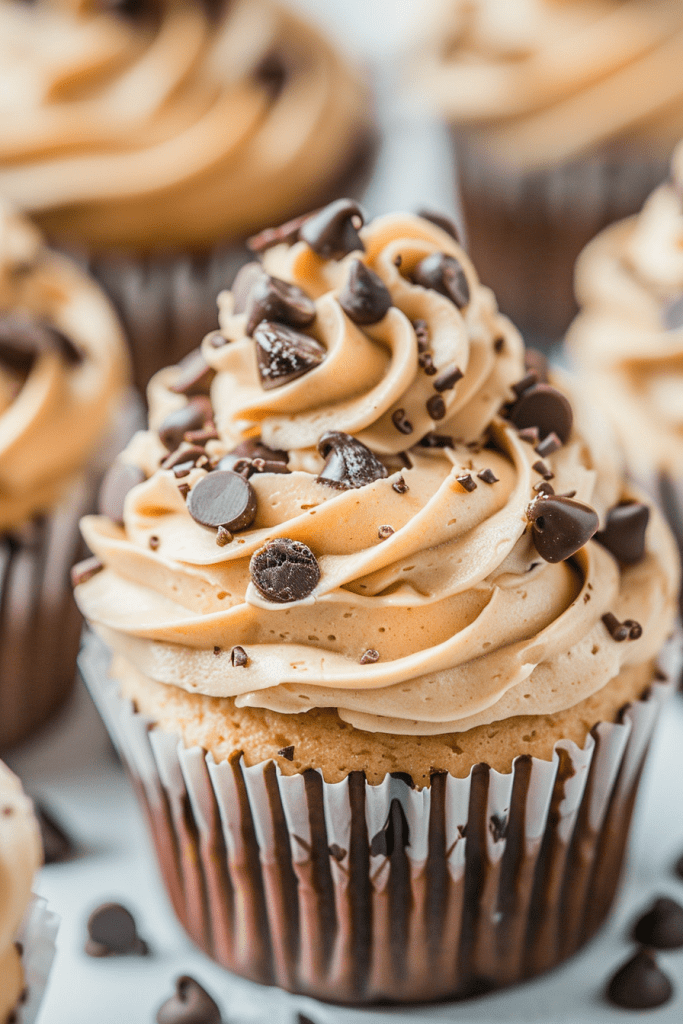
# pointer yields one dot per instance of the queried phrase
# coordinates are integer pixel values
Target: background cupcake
(357, 602)
(62, 372)
(156, 137)
(564, 115)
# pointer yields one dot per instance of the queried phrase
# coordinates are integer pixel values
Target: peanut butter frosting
(361, 517)
(628, 337)
(20, 858)
(541, 82)
(62, 369)
(165, 125)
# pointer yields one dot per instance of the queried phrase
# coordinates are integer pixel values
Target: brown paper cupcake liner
(361, 894)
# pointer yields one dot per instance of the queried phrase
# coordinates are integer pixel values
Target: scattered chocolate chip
(370, 657)
(541, 468)
(287, 753)
(154, 542)
(85, 570)
(662, 926)
(245, 279)
(488, 476)
(333, 232)
(364, 298)
(448, 378)
(560, 526)
(223, 498)
(284, 570)
(195, 377)
(403, 425)
(432, 440)
(546, 408)
(336, 851)
(436, 407)
(238, 657)
(284, 354)
(250, 450)
(112, 932)
(543, 487)
(441, 221)
(444, 274)
(537, 362)
(275, 300)
(619, 631)
(465, 480)
(400, 486)
(217, 652)
(349, 463)
(287, 233)
(529, 434)
(191, 417)
(58, 846)
(426, 363)
(548, 445)
(421, 334)
(640, 984)
(624, 533)
(191, 1004)
(385, 531)
(223, 537)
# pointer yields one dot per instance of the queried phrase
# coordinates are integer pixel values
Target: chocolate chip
(245, 279)
(217, 652)
(662, 926)
(349, 463)
(619, 631)
(333, 232)
(287, 233)
(548, 445)
(465, 480)
(624, 533)
(284, 354)
(154, 542)
(560, 526)
(421, 334)
(276, 300)
(385, 531)
(85, 570)
(426, 363)
(184, 489)
(190, 417)
(186, 454)
(640, 984)
(529, 435)
(448, 378)
(223, 537)
(432, 440)
(543, 487)
(112, 932)
(370, 657)
(284, 570)
(191, 1004)
(541, 468)
(364, 298)
(252, 449)
(195, 377)
(400, 486)
(223, 498)
(402, 424)
(444, 274)
(441, 221)
(58, 846)
(488, 476)
(546, 408)
(287, 753)
(238, 657)
(436, 407)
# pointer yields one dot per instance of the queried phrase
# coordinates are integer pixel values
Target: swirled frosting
(20, 858)
(545, 81)
(434, 611)
(628, 337)
(57, 399)
(174, 128)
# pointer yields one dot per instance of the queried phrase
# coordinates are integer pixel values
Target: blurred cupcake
(564, 116)
(27, 929)
(155, 137)
(62, 370)
(384, 702)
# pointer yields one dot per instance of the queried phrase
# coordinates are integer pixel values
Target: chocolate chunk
(195, 377)
(364, 298)
(546, 408)
(385, 531)
(349, 463)
(191, 417)
(640, 984)
(426, 363)
(370, 657)
(536, 362)
(662, 926)
(444, 274)
(85, 570)
(239, 657)
(619, 631)
(58, 846)
(284, 570)
(548, 445)
(121, 477)
(560, 526)
(488, 476)
(448, 378)
(287, 233)
(624, 533)
(276, 300)
(436, 407)
(543, 487)
(333, 231)
(154, 542)
(112, 932)
(223, 498)
(252, 449)
(287, 753)
(441, 221)
(465, 480)
(400, 486)
(402, 424)
(191, 1004)
(284, 354)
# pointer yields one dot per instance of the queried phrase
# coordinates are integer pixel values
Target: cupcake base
(364, 894)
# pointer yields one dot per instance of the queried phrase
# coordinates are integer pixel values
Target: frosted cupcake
(564, 115)
(62, 372)
(156, 137)
(383, 699)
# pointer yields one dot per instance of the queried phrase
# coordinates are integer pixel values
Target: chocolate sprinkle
(443, 274)
(284, 570)
(276, 300)
(239, 657)
(421, 334)
(85, 570)
(349, 463)
(543, 406)
(624, 533)
(640, 984)
(364, 298)
(333, 232)
(370, 657)
(662, 926)
(426, 363)
(400, 486)
(448, 378)
(284, 354)
(465, 480)
(191, 1004)
(223, 498)
(195, 377)
(488, 476)
(287, 753)
(436, 407)
(403, 425)
(619, 631)
(441, 221)
(560, 526)
(191, 417)
(112, 932)
(58, 846)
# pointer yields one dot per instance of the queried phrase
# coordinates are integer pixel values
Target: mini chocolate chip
(370, 657)
(536, 362)
(640, 984)
(426, 363)
(191, 1004)
(385, 531)
(436, 407)
(499, 345)
(619, 631)
(195, 377)
(223, 498)
(543, 487)
(349, 463)
(287, 234)
(543, 406)
(238, 657)
(444, 274)
(548, 445)
(448, 378)
(58, 846)
(276, 300)
(441, 221)
(154, 542)
(284, 354)
(465, 480)
(560, 526)
(488, 476)
(223, 537)
(624, 533)
(333, 232)
(85, 570)
(284, 570)
(421, 334)
(190, 417)
(403, 425)
(662, 926)
(432, 440)
(245, 279)
(252, 449)
(400, 486)
(541, 468)
(112, 932)
(364, 298)
(217, 652)
(287, 753)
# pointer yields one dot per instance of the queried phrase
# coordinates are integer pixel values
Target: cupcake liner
(361, 894)
(37, 939)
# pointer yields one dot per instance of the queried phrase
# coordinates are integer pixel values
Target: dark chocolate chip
(465, 480)
(349, 463)
(223, 498)
(184, 455)
(403, 425)
(276, 300)
(488, 476)
(529, 434)
(245, 279)
(548, 445)
(525, 383)
(333, 232)
(284, 354)
(426, 362)
(85, 570)
(121, 477)
(217, 652)
(195, 377)
(640, 984)
(560, 526)
(441, 221)
(624, 533)
(546, 408)
(400, 486)
(223, 537)
(154, 542)
(287, 753)
(448, 378)
(287, 234)
(252, 449)
(385, 531)
(184, 489)
(191, 1004)
(541, 468)
(370, 657)
(436, 407)
(239, 657)
(58, 846)
(662, 926)
(193, 416)
(364, 298)
(445, 275)
(112, 932)
(543, 487)
(284, 570)
(619, 631)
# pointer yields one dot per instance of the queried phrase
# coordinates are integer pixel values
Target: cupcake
(27, 929)
(384, 701)
(62, 370)
(156, 137)
(564, 116)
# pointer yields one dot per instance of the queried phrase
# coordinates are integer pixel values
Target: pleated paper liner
(37, 940)
(360, 894)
